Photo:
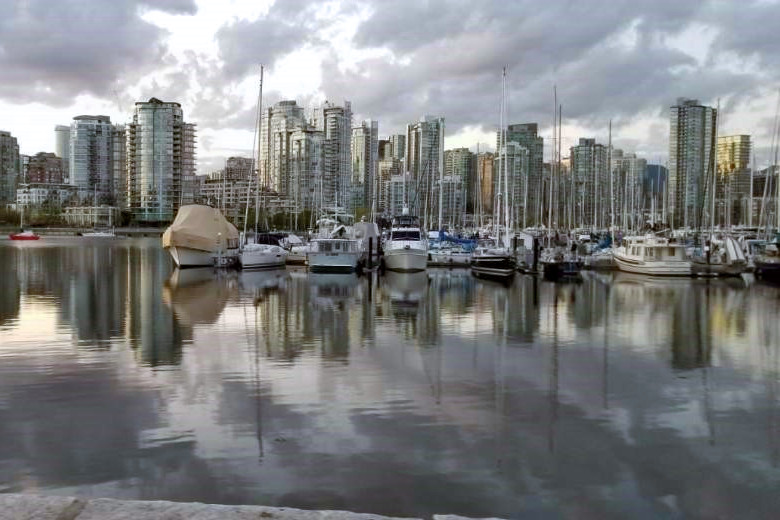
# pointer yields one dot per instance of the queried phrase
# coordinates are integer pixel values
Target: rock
(34, 507)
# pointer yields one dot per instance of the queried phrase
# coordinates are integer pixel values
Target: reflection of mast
(255, 364)
(706, 336)
(605, 389)
(553, 392)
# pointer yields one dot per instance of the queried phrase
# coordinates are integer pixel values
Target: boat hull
(185, 257)
(448, 259)
(406, 260)
(705, 269)
(23, 236)
(343, 262)
(562, 270)
(496, 267)
(629, 265)
(263, 259)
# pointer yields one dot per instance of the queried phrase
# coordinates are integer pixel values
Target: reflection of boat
(200, 236)
(330, 288)
(406, 288)
(197, 296)
(266, 279)
(653, 256)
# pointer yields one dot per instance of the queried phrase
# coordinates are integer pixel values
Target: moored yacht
(406, 248)
(491, 260)
(201, 237)
(653, 256)
(264, 252)
(335, 249)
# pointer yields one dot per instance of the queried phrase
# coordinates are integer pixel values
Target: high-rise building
(304, 169)
(691, 131)
(461, 163)
(527, 136)
(365, 155)
(387, 168)
(628, 190)
(160, 161)
(336, 124)
(44, 168)
(62, 147)
(274, 153)
(398, 143)
(591, 204)
(91, 155)
(10, 168)
(424, 153)
(238, 168)
(485, 167)
(119, 165)
(512, 161)
(733, 188)
(385, 149)
(399, 194)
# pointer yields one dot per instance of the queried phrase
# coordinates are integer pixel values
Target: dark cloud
(51, 52)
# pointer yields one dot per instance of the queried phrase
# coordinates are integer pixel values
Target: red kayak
(24, 235)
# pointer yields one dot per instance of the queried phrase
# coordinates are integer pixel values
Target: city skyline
(627, 63)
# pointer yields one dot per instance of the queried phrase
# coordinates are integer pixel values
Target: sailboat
(22, 234)
(491, 258)
(265, 251)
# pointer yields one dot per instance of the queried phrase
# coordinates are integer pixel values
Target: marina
(403, 394)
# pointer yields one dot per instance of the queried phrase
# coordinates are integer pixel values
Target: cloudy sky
(395, 60)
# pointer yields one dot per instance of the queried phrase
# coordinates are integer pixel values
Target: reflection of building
(10, 290)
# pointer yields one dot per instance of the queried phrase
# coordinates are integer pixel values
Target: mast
(611, 185)
(750, 200)
(252, 175)
(259, 109)
(714, 173)
(560, 168)
(441, 171)
(552, 158)
(506, 176)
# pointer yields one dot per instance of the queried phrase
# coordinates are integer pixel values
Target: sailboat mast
(611, 185)
(506, 176)
(552, 158)
(441, 171)
(714, 170)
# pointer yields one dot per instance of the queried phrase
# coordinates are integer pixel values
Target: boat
(335, 250)
(767, 263)
(264, 252)
(720, 257)
(200, 236)
(406, 248)
(22, 234)
(491, 260)
(447, 251)
(559, 264)
(651, 255)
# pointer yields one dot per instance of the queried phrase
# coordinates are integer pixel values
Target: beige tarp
(199, 227)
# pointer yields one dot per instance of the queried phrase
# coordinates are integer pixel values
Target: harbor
(396, 393)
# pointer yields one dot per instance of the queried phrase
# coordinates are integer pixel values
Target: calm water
(403, 395)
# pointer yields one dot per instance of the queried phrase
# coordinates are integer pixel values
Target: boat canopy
(202, 228)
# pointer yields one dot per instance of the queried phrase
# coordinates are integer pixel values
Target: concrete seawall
(37, 507)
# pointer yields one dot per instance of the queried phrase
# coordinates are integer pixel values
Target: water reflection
(403, 394)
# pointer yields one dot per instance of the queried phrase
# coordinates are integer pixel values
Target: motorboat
(263, 252)
(447, 251)
(559, 264)
(651, 255)
(335, 249)
(200, 236)
(406, 248)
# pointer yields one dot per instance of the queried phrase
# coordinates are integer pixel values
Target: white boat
(201, 237)
(406, 248)
(109, 233)
(652, 256)
(335, 249)
(720, 257)
(262, 256)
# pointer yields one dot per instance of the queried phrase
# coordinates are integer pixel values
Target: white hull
(674, 268)
(406, 260)
(267, 257)
(342, 262)
(449, 259)
(186, 257)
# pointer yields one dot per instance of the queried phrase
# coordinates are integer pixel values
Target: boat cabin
(405, 234)
(334, 245)
(406, 221)
(655, 250)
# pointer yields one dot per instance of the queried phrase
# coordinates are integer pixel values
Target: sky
(395, 60)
